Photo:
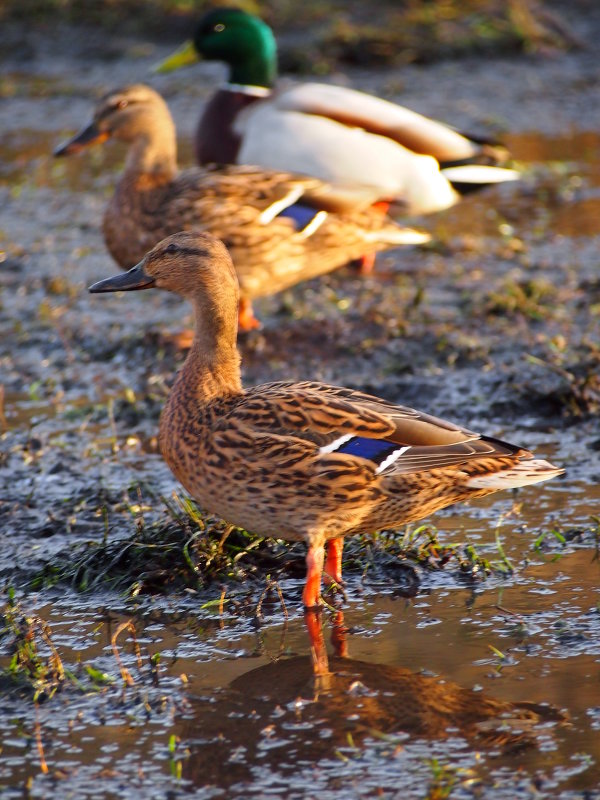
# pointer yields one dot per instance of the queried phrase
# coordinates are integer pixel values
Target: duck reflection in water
(278, 720)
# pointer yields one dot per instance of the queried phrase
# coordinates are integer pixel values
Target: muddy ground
(495, 325)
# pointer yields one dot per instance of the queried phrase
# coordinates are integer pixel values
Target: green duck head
(244, 42)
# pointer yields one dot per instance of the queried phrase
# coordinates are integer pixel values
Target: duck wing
(336, 426)
(235, 193)
(360, 110)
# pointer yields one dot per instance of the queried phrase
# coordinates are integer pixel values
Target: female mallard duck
(302, 461)
(367, 149)
(275, 242)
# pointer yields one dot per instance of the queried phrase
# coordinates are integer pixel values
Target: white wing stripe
(269, 214)
(314, 224)
(391, 458)
(333, 446)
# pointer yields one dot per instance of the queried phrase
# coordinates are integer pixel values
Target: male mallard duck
(302, 461)
(367, 149)
(274, 241)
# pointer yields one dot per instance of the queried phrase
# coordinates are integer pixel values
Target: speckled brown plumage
(283, 459)
(154, 199)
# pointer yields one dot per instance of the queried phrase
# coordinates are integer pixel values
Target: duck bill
(182, 57)
(130, 281)
(82, 139)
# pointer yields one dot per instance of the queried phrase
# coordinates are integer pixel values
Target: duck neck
(153, 155)
(212, 368)
(258, 71)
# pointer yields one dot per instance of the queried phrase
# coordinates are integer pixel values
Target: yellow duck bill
(130, 281)
(182, 57)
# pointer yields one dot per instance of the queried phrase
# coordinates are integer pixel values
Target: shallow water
(84, 380)
(248, 698)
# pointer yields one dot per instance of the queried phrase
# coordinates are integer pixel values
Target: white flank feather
(479, 173)
(533, 471)
(360, 167)
(399, 236)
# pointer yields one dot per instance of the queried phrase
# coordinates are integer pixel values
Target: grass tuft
(35, 665)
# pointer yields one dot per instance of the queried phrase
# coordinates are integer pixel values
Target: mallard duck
(302, 461)
(366, 148)
(275, 241)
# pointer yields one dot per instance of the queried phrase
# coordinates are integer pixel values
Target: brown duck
(274, 240)
(302, 461)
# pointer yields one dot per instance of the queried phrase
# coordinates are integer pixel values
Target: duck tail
(533, 470)
(487, 151)
(395, 235)
(470, 177)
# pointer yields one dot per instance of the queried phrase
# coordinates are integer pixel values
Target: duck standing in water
(366, 149)
(275, 241)
(302, 461)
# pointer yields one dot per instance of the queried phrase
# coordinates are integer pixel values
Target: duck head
(244, 42)
(196, 266)
(127, 114)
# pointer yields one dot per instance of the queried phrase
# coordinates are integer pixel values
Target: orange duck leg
(366, 263)
(246, 319)
(333, 564)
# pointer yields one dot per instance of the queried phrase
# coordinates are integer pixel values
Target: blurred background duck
(302, 461)
(275, 241)
(367, 149)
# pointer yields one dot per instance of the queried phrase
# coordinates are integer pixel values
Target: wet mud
(482, 680)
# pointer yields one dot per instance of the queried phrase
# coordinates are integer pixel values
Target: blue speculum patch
(300, 214)
(375, 449)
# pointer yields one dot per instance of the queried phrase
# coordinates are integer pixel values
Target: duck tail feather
(391, 235)
(533, 470)
(479, 175)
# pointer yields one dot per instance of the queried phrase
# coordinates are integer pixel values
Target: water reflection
(276, 717)
(581, 218)
(579, 147)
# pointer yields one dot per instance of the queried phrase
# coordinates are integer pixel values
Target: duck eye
(122, 104)
(219, 27)
(171, 249)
